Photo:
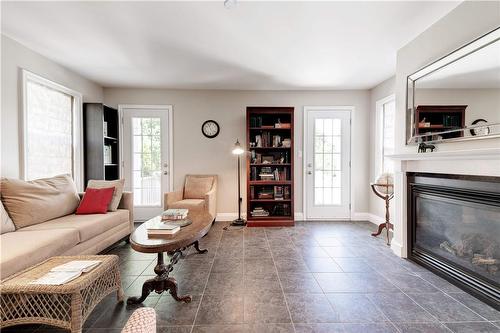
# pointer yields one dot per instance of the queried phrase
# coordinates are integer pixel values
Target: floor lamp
(238, 150)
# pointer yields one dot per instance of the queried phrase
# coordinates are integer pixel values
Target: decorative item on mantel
(384, 188)
(422, 147)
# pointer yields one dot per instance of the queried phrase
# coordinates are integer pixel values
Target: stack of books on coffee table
(174, 214)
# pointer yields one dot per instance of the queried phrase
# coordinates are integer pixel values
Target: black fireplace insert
(454, 230)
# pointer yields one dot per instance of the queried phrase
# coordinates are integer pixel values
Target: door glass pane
(146, 167)
(327, 158)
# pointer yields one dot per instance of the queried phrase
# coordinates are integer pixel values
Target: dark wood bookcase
(95, 115)
(440, 118)
(270, 186)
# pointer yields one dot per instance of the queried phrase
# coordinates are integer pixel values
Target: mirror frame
(469, 48)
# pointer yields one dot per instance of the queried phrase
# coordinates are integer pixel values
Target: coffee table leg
(161, 282)
(197, 247)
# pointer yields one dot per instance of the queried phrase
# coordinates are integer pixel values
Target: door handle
(309, 172)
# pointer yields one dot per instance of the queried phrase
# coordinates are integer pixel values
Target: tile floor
(315, 277)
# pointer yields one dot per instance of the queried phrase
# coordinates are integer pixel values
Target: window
(386, 109)
(51, 129)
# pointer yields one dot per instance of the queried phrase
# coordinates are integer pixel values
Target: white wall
(465, 23)
(14, 58)
(384, 89)
(193, 153)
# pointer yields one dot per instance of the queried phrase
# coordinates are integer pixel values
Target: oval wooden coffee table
(173, 245)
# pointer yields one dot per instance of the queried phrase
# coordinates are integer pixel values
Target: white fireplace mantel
(470, 154)
(485, 161)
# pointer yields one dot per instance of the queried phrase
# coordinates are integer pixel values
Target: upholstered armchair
(199, 193)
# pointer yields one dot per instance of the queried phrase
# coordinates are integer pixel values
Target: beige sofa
(199, 193)
(65, 235)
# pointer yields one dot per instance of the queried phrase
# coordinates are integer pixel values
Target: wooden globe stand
(387, 197)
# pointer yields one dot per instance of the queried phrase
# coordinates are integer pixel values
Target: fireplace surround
(454, 230)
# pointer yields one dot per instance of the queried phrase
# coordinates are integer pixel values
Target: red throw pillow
(95, 201)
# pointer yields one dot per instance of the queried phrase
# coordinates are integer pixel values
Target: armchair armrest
(171, 197)
(211, 202)
(127, 202)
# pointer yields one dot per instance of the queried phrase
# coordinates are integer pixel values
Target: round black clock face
(480, 131)
(210, 129)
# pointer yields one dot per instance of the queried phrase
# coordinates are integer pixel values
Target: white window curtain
(52, 129)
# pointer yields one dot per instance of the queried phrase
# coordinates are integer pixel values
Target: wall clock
(480, 131)
(210, 129)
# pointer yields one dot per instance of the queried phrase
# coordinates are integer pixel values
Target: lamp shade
(237, 149)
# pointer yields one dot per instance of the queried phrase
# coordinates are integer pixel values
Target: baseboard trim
(375, 219)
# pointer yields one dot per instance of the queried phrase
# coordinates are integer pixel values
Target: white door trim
(304, 155)
(170, 116)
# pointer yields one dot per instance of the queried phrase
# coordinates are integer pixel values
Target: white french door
(327, 162)
(146, 157)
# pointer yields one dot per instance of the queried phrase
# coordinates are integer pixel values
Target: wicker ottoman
(67, 305)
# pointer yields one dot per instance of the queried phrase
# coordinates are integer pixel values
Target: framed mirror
(458, 96)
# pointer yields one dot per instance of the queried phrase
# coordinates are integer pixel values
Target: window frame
(77, 123)
(380, 130)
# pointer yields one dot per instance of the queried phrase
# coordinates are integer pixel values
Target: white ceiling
(203, 45)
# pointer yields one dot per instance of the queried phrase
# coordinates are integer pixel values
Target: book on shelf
(265, 194)
(286, 193)
(281, 209)
(278, 193)
(259, 212)
(67, 272)
(175, 214)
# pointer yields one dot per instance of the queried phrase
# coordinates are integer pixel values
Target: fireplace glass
(462, 232)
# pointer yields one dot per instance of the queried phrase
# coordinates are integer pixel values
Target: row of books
(265, 139)
(268, 173)
(257, 122)
(281, 209)
(276, 193)
(275, 158)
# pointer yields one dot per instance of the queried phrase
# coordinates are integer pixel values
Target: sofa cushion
(22, 249)
(117, 195)
(95, 201)
(88, 226)
(7, 224)
(196, 187)
(37, 201)
(191, 204)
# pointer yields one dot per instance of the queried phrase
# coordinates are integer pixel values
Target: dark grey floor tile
(262, 266)
(479, 327)
(227, 266)
(230, 252)
(438, 282)
(133, 267)
(477, 306)
(191, 283)
(324, 265)
(341, 252)
(400, 308)
(319, 328)
(409, 282)
(174, 329)
(262, 283)
(299, 282)
(313, 252)
(116, 316)
(265, 308)
(354, 282)
(329, 241)
(355, 308)
(353, 265)
(289, 264)
(170, 312)
(422, 328)
(20, 329)
(370, 328)
(98, 330)
(257, 251)
(225, 283)
(220, 309)
(135, 289)
(444, 307)
(245, 328)
(310, 308)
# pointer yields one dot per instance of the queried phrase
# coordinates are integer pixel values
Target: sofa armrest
(171, 197)
(127, 202)
(211, 202)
